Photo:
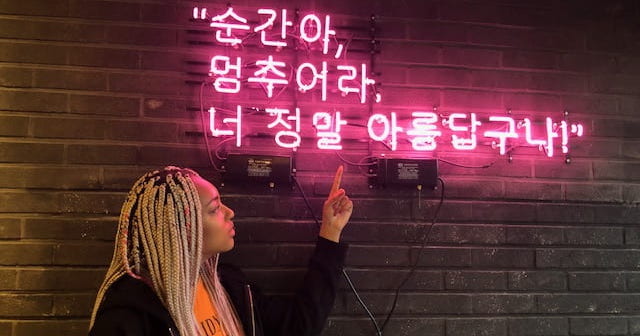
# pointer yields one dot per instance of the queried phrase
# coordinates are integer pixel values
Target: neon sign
(425, 131)
(231, 29)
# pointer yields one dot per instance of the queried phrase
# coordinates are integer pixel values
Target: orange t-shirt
(205, 312)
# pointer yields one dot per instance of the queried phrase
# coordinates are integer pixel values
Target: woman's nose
(229, 214)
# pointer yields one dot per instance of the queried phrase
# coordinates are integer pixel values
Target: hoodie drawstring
(253, 320)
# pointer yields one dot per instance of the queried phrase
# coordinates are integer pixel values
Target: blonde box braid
(160, 234)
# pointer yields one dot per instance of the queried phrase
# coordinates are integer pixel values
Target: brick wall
(93, 93)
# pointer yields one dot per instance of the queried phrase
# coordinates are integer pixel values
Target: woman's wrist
(330, 233)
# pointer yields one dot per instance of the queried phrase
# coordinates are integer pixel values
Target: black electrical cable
(356, 164)
(425, 239)
(344, 272)
(466, 166)
(306, 200)
(360, 163)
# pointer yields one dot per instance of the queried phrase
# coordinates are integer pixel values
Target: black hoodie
(131, 308)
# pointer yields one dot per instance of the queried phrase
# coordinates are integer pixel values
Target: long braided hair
(159, 241)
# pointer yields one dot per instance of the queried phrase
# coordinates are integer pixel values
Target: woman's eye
(214, 210)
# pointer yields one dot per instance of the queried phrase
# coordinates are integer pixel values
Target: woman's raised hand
(336, 211)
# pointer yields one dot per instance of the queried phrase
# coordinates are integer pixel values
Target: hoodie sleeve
(131, 308)
(306, 312)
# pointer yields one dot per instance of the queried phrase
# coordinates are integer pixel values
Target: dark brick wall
(93, 94)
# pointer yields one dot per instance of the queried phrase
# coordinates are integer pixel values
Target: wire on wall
(467, 166)
(344, 272)
(365, 162)
(425, 240)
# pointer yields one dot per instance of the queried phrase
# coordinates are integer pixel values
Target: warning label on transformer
(408, 171)
(259, 168)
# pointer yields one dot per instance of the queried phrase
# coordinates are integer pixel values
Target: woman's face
(218, 229)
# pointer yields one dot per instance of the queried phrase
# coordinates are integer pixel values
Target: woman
(164, 278)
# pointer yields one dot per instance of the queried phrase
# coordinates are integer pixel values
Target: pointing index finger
(336, 181)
